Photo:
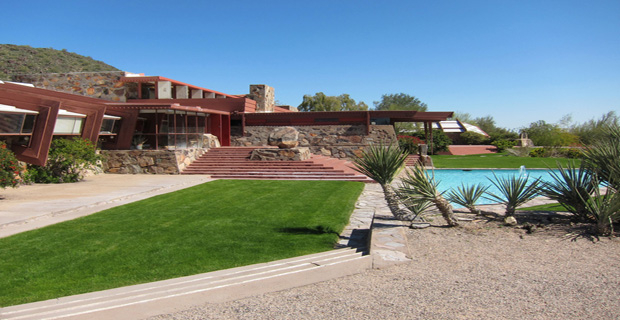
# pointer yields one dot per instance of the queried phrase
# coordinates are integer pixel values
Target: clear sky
(518, 61)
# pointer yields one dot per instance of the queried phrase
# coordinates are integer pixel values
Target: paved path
(34, 206)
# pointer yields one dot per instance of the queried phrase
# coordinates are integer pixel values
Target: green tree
(593, 130)
(322, 102)
(549, 135)
(400, 101)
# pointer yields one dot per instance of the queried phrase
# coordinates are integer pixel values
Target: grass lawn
(496, 161)
(216, 225)
(545, 207)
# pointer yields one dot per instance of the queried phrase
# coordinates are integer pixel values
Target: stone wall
(149, 161)
(344, 141)
(102, 85)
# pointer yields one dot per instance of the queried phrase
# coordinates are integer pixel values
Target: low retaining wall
(343, 141)
(149, 161)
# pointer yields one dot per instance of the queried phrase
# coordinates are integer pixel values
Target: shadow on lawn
(309, 230)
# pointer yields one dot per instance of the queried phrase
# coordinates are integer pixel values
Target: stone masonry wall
(102, 85)
(149, 161)
(344, 141)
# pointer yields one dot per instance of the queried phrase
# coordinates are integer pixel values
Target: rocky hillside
(25, 59)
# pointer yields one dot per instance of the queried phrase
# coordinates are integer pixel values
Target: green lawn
(495, 161)
(545, 207)
(217, 225)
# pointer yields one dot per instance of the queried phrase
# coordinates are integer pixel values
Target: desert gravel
(479, 271)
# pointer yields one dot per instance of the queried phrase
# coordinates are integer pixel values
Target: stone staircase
(234, 163)
(141, 301)
(412, 160)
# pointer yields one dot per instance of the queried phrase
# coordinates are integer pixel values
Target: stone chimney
(264, 97)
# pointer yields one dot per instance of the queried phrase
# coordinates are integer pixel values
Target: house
(113, 109)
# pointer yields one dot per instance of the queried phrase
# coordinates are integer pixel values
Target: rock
(419, 225)
(510, 221)
(284, 138)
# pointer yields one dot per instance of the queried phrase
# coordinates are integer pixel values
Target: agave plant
(418, 186)
(514, 192)
(382, 163)
(603, 155)
(605, 208)
(467, 196)
(571, 187)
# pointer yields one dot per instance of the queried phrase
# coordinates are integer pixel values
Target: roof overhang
(163, 106)
(147, 79)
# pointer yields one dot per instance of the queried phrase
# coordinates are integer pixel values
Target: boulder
(510, 221)
(284, 138)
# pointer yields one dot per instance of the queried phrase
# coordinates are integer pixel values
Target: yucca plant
(382, 163)
(604, 157)
(467, 196)
(418, 186)
(514, 192)
(571, 187)
(417, 207)
(605, 208)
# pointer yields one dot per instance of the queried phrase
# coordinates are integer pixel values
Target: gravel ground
(479, 271)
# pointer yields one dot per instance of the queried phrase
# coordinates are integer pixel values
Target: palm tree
(514, 192)
(467, 196)
(417, 186)
(382, 163)
(571, 187)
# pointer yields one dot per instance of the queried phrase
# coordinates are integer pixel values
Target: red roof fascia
(158, 78)
(30, 95)
(163, 106)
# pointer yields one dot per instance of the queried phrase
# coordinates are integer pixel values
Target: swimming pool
(453, 178)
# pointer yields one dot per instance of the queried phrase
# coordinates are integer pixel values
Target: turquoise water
(452, 178)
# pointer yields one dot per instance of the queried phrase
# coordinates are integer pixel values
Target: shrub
(440, 140)
(67, 162)
(503, 144)
(10, 169)
(537, 153)
(409, 144)
(470, 138)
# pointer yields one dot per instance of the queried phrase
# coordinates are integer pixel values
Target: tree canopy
(400, 101)
(322, 102)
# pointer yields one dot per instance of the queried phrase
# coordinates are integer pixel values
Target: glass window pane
(11, 122)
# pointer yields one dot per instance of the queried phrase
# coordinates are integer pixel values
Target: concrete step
(264, 170)
(166, 296)
(289, 177)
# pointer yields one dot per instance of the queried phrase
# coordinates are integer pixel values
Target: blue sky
(518, 61)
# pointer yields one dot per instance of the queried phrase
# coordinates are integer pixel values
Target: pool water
(453, 178)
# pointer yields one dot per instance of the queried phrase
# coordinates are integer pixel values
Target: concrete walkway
(34, 206)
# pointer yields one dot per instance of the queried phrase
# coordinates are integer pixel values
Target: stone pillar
(196, 94)
(182, 92)
(209, 95)
(264, 97)
(164, 90)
